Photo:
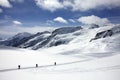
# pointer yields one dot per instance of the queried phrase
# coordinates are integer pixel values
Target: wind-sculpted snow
(84, 39)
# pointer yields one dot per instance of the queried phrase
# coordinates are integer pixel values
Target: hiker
(18, 66)
(55, 63)
(36, 65)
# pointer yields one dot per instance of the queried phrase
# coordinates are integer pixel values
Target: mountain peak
(92, 26)
(65, 30)
(20, 35)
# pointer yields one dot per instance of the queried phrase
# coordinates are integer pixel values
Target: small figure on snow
(55, 63)
(18, 66)
(36, 65)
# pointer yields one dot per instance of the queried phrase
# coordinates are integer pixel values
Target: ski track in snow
(43, 66)
(88, 57)
(114, 67)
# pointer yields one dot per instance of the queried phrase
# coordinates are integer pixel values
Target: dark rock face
(21, 38)
(43, 43)
(41, 39)
(66, 30)
(110, 32)
(59, 42)
(56, 32)
(103, 34)
(92, 26)
(35, 41)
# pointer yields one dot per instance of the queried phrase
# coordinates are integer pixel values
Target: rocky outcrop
(113, 31)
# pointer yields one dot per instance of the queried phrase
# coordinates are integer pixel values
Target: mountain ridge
(66, 36)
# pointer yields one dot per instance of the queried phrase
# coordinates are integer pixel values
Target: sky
(39, 15)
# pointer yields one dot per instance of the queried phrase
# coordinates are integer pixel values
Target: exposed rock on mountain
(107, 33)
(41, 39)
(92, 26)
(16, 40)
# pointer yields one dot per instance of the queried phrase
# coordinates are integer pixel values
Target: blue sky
(57, 13)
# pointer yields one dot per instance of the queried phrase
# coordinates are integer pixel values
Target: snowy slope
(42, 39)
(80, 59)
(16, 40)
(58, 37)
(35, 39)
(83, 44)
(68, 67)
(72, 39)
(86, 39)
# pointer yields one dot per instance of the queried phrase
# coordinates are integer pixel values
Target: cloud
(93, 20)
(72, 20)
(51, 5)
(17, 22)
(1, 10)
(60, 19)
(49, 22)
(5, 3)
(94, 4)
(77, 5)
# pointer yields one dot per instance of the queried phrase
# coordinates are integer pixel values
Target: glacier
(88, 54)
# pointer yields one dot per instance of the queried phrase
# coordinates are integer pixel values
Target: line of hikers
(19, 67)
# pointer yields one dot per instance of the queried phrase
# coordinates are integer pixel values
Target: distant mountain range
(40, 39)
(60, 36)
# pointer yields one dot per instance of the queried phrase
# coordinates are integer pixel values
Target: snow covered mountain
(91, 52)
(92, 26)
(16, 40)
(35, 39)
(41, 39)
(58, 37)
(83, 39)
(110, 32)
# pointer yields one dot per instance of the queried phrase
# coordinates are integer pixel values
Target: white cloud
(61, 20)
(5, 3)
(93, 20)
(17, 22)
(49, 22)
(80, 5)
(1, 10)
(51, 5)
(84, 5)
(72, 20)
